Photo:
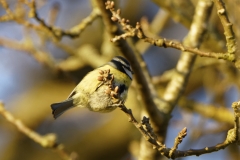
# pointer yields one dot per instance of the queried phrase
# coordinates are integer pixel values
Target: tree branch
(150, 136)
(142, 77)
(46, 141)
(131, 31)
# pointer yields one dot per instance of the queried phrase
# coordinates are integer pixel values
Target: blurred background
(37, 71)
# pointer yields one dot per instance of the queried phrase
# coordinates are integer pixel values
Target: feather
(59, 108)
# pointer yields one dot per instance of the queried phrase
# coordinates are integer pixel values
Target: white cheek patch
(128, 72)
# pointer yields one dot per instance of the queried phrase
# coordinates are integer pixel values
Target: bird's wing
(72, 93)
(88, 84)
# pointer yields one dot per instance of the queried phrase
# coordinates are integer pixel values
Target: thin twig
(46, 141)
(232, 136)
(177, 45)
(59, 33)
(137, 31)
(236, 108)
(154, 28)
(227, 26)
(182, 134)
(141, 74)
(54, 31)
(228, 32)
(53, 13)
(27, 45)
(185, 64)
(150, 137)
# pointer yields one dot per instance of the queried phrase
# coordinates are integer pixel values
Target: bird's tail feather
(59, 108)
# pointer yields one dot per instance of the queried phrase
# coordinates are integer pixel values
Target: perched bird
(101, 90)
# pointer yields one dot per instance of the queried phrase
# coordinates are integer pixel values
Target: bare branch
(143, 79)
(182, 134)
(27, 45)
(227, 25)
(59, 33)
(46, 141)
(131, 31)
(236, 134)
(149, 135)
(184, 66)
(51, 30)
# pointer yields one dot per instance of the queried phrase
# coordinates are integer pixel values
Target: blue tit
(101, 90)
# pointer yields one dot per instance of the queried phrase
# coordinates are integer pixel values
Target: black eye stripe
(122, 65)
(127, 67)
(122, 61)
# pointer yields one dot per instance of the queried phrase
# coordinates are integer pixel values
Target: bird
(101, 90)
